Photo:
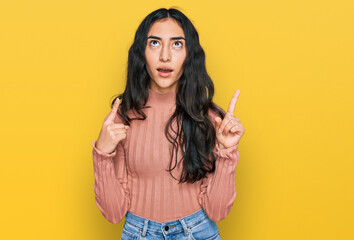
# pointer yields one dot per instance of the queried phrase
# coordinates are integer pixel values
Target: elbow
(220, 214)
(114, 220)
(216, 218)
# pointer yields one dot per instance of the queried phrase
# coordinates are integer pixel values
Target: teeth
(164, 70)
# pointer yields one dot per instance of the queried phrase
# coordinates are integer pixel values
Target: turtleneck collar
(165, 100)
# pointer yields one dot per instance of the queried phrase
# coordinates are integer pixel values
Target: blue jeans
(196, 226)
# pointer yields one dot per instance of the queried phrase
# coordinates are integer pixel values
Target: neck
(165, 91)
(161, 99)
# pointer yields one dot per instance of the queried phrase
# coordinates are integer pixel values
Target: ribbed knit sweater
(134, 177)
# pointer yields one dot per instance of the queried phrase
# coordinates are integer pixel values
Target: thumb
(114, 110)
(218, 122)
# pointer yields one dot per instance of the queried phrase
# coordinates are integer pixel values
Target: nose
(165, 54)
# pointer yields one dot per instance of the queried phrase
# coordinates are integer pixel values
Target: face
(165, 49)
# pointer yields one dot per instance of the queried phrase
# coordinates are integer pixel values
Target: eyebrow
(172, 38)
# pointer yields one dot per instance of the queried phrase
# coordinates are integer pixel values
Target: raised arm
(112, 195)
(218, 190)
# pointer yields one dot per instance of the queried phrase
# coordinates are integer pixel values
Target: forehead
(166, 28)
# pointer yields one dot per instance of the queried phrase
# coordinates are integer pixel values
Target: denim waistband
(166, 228)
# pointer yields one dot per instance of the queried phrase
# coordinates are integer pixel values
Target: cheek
(149, 70)
(181, 60)
(147, 59)
(149, 63)
(148, 55)
(150, 58)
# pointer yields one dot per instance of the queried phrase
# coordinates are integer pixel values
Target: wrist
(103, 150)
(221, 146)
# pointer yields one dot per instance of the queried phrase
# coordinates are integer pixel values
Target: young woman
(166, 155)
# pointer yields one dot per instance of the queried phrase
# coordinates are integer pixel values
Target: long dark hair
(195, 133)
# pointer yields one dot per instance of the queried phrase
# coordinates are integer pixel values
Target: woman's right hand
(111, 133)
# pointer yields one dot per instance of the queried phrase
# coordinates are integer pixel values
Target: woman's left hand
(229, 130)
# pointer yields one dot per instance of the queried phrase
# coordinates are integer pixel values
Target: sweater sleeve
(112, 195)
(218, 189)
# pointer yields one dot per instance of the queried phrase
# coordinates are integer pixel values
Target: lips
(164, 69)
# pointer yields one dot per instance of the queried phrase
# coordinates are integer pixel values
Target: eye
(152, 42)
(179, 43)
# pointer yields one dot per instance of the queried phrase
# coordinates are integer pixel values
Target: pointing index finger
(114, 110)
(233, 101)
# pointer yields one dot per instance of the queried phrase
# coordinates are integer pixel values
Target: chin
(165, 83)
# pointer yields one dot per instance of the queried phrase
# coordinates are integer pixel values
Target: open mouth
(165, 70)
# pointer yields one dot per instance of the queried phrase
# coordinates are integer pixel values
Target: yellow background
(62, 61)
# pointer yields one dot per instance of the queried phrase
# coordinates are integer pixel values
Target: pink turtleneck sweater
(134, 178)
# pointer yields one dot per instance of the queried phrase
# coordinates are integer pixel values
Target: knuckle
(120, 125)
